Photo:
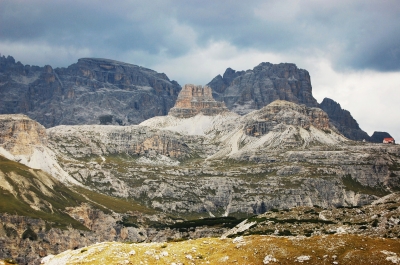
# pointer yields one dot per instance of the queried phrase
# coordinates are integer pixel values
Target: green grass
(58, 219)
(118, 205)
(356, 186)
(61, 197)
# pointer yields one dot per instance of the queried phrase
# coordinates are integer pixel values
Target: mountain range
(103, 91)
(199, 170)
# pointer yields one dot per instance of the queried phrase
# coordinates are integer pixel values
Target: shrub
(30, 234)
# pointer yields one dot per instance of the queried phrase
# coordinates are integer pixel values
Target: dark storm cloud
(356, 34)
(99, 25)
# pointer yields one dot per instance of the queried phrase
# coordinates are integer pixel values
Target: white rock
(302, 258)
(238, 240)
(268, 259)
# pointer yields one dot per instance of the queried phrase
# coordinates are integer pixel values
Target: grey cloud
(358, 34)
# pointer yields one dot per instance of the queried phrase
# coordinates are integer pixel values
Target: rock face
(377, 137)
(91, 91)
(288, 113)
(193, 100)
(19, 134)
(25, 141)
(245, 91)
(136, 141)
(281, 156)
(343, 120)
(379, 218)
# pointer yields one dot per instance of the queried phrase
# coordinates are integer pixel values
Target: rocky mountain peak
(245, 91)
(91, 91)
(193, 100)
(281, 112)
(343, 120)
(377, 137)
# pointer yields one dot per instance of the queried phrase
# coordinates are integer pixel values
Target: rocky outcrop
(281, 156)
(136, 141)
(19, 134)
(245, 91)
(343, 120)
(91, 91)
(380, 218)
(193, 100)
(377, 137)
(25, 141)
(287, 113)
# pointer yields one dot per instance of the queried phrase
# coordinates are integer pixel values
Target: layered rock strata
(25, 141)
(286, 113)
(91, 91)
(19, 134)
(193, 100)
(281, 156)
(136, 141)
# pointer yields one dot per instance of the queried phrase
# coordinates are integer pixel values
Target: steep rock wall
(91, 91)
(343, 120)
(245, 91)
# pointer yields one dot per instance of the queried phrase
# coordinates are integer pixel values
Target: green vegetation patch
(30, 234)
(128, 221)
(62, 197)
(354, 185)
(118, 205)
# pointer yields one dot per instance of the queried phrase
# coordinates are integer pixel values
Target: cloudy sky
(351, 48)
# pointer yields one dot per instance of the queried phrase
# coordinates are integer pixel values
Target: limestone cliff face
(245, 91)
(19, 134)
(287, 113)
(193, 100)
(136, 141)
(91, 91)
(25, 141)
(343, 120)
(281, 156)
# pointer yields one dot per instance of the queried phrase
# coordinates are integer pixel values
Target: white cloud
(202, 64)
(41, 53)
(371, 97)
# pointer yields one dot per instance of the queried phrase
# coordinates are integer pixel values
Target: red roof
(388, 139)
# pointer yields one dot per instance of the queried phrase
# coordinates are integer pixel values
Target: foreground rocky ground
(326, 249)
(343, 229)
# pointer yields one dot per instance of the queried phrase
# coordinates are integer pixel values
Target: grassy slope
(61, 196)
(343, 249)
